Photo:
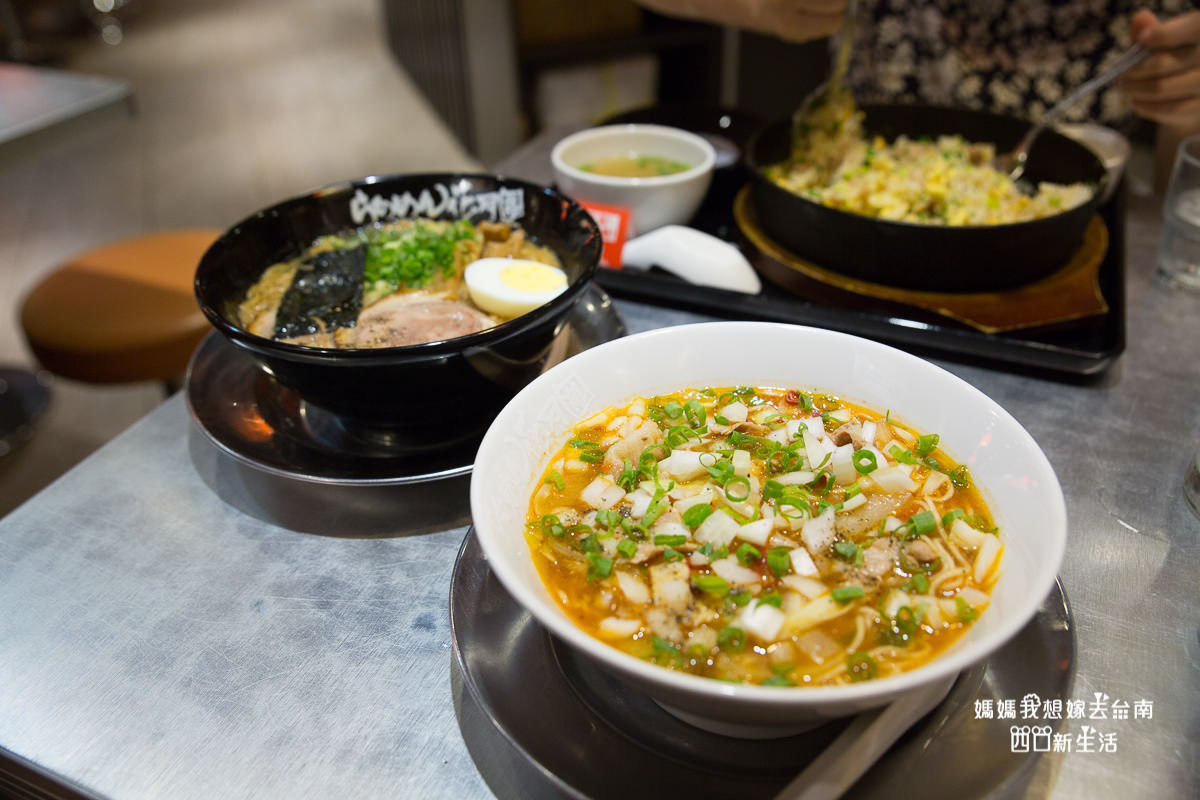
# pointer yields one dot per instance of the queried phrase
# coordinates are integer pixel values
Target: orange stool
(120, 313)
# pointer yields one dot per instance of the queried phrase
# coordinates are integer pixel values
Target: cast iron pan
(936, 258)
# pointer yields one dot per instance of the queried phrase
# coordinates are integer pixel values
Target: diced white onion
(894, 479)
(615, 424)
(803, 585)
(842, 465)
(819, 532)
(868, 432)
(633, 587)
(615, 626)
(859, 499)
(756, 532)
(683, 464)
(815, 612)
(597, 421)
(667, 526)
(814, 450)
(639, 501)
(741, 462)
(985, 559)
(802, 563)
(719, 529)
(602, 493)
(779, 435)
(575, 465)
(638, 407)
(797, 478)
(763, 620)
(701, 498)
(891, 523)
(735, 411)
(840, 414)
(818, 646)
(974, 597)
(733, 572)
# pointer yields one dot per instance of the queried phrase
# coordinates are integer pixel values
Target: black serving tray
(1082, 350)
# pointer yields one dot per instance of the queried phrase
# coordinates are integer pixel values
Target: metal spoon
(832, 87)
(1014, 162)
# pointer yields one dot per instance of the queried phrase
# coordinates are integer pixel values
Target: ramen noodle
(763, 536)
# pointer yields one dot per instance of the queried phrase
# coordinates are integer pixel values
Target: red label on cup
(614, 230)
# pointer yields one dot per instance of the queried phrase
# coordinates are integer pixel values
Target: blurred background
(232, 105)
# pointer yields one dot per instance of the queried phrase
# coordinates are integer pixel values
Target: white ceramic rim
(708, 159)
(944, 666)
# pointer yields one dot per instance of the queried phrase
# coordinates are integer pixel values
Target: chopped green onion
(608, 518)
(556, 479)
(864, 462)
(779, 561)
(720, 420)
(748, 553)
(713, 584)
(917, 583)
(922, 522)
(771, 599)
(732, 638)
(850, 552)
(599, 567)
(960, 477)
(695, 413)
(671, 554)
(778, 680)
(861, 667)
(966, 613)
(590, 544)
(902, 455)
(732, 486)
(844, 594)
(696, 515)
(656, 508)
(628, 479)
(583, 444)
(951, 515)
(668, 648)
(673, 410)
(666, 540)
(926, 443)
(741, 598)
(772, 490)
(627, 547)
(591, 456)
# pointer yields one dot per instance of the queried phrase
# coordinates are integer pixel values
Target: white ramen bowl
(654, 201)
(1006, 464)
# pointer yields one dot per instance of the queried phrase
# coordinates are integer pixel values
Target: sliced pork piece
(630, 447)
(417, 323)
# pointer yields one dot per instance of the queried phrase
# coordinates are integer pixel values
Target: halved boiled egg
(510, 287)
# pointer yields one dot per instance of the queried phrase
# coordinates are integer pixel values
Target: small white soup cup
(654, 201)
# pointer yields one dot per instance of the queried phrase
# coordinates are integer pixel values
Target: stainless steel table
(172, 624)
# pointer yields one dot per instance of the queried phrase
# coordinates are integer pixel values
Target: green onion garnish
(732, 638)
(713, 584)
(902, 455)
(591, 456)
(673, 410)
(966, 613)
(666, 540)
(627, 547)
(922, 522)
(779, 561)
(850, 552)
(696, 515)
(556, 480)
(771, 599)
(695, 413)
(917, 583)
(951, 515)
(778, 680)
(737, 489)
(748, 553)
(671, 554)
(864, 462)
(599, 567)
(861, 667)
(668, 648)
(926, 444)
(844, 594)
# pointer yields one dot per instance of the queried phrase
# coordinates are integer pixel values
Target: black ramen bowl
(418, 397)
(977, 258)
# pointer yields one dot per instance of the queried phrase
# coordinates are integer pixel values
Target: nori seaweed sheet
(327, 288)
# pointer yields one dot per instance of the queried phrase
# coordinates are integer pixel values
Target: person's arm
(1165, 87)
(794, 20)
